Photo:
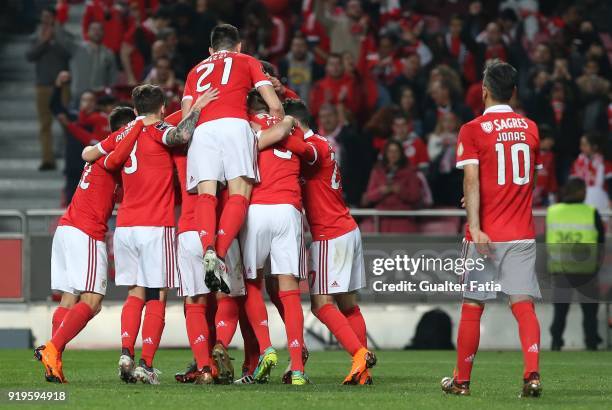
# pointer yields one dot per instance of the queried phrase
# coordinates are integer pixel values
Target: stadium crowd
(389, 82)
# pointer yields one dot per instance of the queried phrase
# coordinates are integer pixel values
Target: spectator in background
(546, 189)
(169, 48)
(136, 48)
(193, 32)
(335, 88)
(444, 178)
(393, 185)
(115, 18)
(595, 170)
(346, 28)
(264, 36)
(351, 150)
(298, 69)
(411, 76)
(440, 93)
(92, 65)
(414, 147)
(163, 75)
(49, 51)
(593, 89)
(408, 108)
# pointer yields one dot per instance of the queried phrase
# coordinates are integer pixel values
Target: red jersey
(93, 201)
(506, 148)
(279, 171)
(594, 170)
(147, 176)
(234, 75)
(327, 214)
(416, 151)
(187, 220)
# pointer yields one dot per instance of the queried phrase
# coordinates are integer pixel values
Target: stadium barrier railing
(25, 243)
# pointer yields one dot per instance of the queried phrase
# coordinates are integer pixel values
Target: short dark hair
(298, 110)
(255, 102)
(148, 99)
(595, 140)
(574, 190)
(224, 37)
(269, 68)
(500, 79)
(402, 161)
(120, 116)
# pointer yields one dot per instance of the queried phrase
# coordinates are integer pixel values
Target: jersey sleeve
(161, 131)
(107, 144)
(467, 150)
(258, 77)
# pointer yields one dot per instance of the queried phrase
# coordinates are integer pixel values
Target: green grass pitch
(403, 380)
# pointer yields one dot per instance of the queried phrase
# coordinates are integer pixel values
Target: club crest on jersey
(487, 126)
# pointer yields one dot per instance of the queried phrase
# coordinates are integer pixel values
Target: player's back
(147, 176)
(327, 213)
(234, 75)
(187, 220)
(506, 147)
(279, 172)
(93, 201)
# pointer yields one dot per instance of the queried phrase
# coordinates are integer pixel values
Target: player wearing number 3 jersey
(499, 153)
(223, 146)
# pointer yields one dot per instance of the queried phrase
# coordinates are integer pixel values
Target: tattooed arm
(184, 130)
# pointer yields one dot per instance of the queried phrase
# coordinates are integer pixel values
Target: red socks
(206, 219)
(152, 328)
(74, 321)
(197, 332)
(251, 347)
(226, 320)
(276, 300)
(468, 338)
(357, 323)
(294, 326)
(529, 333)
(258, 315)
(57, 318)
(232, 218)
(130, 322)
(340, 327)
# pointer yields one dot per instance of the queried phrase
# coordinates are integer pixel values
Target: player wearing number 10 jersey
(499, 153)
(337, 267)
(223, 146)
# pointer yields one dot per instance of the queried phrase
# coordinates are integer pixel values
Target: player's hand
(62, 78)
(483, 243)
(206, 98)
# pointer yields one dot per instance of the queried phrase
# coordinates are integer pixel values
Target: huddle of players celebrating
(248, 166)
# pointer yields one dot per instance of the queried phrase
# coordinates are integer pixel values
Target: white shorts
(512, 267)
(336, 265)
(145, 256)
(222, 150)
(191, 266)
(78, 262)
(274, 231)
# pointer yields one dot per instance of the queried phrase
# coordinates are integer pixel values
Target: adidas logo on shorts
(533, 348)
(335, 284)
(294, 344)
(199, 339)
(148, 341)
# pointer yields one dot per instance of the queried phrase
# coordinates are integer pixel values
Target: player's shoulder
(475, 125)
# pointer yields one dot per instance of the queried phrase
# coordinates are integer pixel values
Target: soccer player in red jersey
(333, 280)
(223, 145)
(499, 154)
(144, 241)
(78, 256)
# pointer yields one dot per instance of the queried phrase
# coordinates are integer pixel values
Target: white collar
(498, 108)
(308, 134)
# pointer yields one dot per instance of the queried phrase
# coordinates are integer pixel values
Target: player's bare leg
(152, 329)
(347, 303)
(289, 296)
(226, 322)
(231, 220)
(324, 308)
(529, 333)
(197, 332)
(131, 317)
(468, 339)
(206, 216)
